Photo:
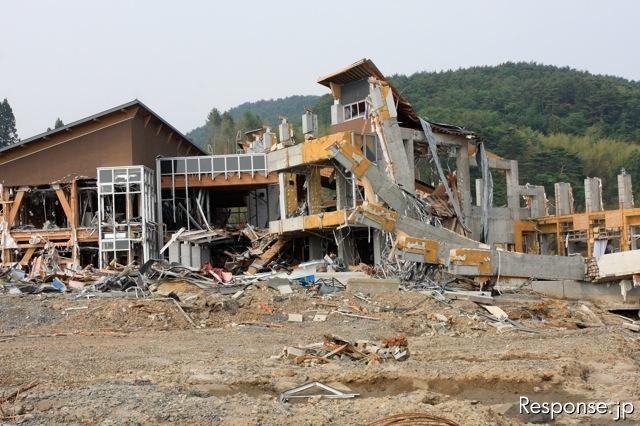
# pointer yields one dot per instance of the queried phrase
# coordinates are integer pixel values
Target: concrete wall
(354, 92)
(500, 225)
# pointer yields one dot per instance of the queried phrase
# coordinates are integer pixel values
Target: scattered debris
(335, 347)
(295, 317)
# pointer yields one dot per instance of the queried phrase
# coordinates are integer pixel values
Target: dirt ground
(116, 360)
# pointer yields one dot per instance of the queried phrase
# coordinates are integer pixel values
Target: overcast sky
(74, 58)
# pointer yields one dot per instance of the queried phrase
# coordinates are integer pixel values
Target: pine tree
(227, 141)
(8, 132)
(58, 124)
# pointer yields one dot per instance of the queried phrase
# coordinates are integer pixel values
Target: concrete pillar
(344, 190)
(411, 172)
(288, 194)
(315, 248)
(273, 200)
(593, 194)
(539, 203)
(513, 190)
(479, 191)
(564, 198)
(314, 191)
(378, 243)
(625, 191)
(463, 178)
(346, 245)
(383, 107)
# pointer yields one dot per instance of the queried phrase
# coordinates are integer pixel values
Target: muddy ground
(113, 360)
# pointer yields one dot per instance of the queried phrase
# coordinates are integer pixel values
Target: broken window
(354, 110)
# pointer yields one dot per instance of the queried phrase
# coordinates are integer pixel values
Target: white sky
(74, 58)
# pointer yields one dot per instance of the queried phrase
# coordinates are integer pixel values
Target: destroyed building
(87, 187)
(385, 190)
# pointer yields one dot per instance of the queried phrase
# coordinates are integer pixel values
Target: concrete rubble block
(293, 352)
(631, 326)
(479, 262)
(295, 318)
(285, 289)
(605, 293)
(618, 265)
(373, 286)
(320, 317)
(441, 318)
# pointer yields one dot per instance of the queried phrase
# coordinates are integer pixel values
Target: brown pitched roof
(97, 116)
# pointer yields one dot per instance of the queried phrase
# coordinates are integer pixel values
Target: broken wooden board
(267, 256)
(496, 312)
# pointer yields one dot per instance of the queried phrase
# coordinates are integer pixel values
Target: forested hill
(542, 97)
(560, 123)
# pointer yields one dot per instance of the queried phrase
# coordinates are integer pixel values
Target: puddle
(486, 392)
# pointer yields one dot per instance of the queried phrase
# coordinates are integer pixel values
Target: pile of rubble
(335, 347)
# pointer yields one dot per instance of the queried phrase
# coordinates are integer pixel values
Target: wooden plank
(73, 220)
(27, 256)
(73, 201)
(244, 181)
(267, 256)
(15, 207)
(173, 238)
(496, 312)
(65, 204)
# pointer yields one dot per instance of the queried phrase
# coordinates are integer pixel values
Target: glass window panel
(165, 167)
(258, 162)
(192, 165)
(205, 165)
(218, 165)
(120, 175)
(106, 176)
(347, 112)
(180, 165)
(122, 245)
(232, 164)
(134, 175)
(245, 163)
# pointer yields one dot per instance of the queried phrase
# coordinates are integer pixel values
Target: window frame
(359, 113)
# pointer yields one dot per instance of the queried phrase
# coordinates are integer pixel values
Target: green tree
(8, 132)
(226, 142)
(249, 121)
(58, 123)
(214, 119)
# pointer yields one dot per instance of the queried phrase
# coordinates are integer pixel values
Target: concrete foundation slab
(373, 286)
(608, 294)
(617, 265)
